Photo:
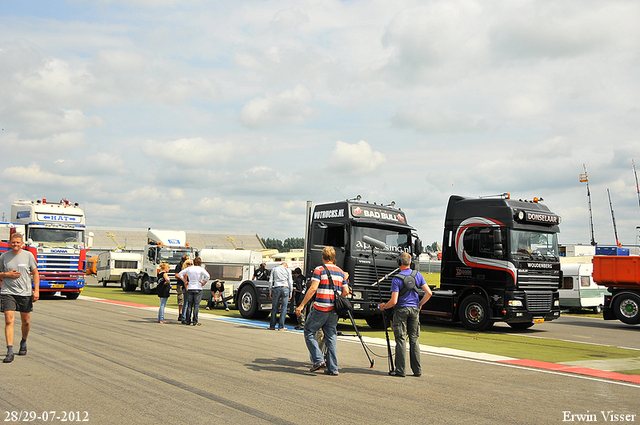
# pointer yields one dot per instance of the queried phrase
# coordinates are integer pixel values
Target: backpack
(409, 283)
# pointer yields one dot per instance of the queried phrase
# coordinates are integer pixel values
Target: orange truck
(621, 274)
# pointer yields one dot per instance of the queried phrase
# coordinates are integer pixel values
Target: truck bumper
(61, 285)
(536, 307)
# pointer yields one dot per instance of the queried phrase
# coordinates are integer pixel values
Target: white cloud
(357, 159)
(290, 107)
(193, 152)
(159, 102)
(35, 176)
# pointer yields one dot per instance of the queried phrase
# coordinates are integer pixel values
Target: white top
(197, 276)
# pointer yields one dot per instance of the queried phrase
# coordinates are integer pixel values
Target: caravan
(232, 266)
(111, 266)
(578, 288)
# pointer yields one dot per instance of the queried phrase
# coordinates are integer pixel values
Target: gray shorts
(23, 304)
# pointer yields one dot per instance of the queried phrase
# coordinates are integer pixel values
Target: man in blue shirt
(406, 315)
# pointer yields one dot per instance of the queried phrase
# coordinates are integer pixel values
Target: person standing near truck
(298, 294)
(180, 287)
(280, 291)
(406, 314)
(261, 273)
(16, 293)
(164, 290)
(322, 314)
(195, 277)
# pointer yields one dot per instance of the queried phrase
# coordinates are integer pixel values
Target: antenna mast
(633, 165)
(613, 218)
(584, 178)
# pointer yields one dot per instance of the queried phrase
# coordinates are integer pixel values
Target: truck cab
(57, 232)
(343, 225)
(163, 246)
(500, 262)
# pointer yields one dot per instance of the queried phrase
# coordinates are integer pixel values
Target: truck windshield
(48, 236)
(173, 256)
(395, 241)
(534, 245)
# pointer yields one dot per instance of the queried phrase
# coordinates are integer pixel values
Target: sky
(228, 116)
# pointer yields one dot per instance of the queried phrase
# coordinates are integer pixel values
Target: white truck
(232, 266)
(112, 264)
(163, 246)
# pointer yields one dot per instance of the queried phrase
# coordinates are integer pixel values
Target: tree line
(298, 243)
(283, 246)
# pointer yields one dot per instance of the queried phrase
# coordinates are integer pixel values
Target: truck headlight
(515, 303)
(357, 295)
(556, 303)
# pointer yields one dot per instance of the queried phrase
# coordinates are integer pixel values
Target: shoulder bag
(341, 305)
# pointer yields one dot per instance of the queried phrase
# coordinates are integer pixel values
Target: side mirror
(418, 247)
(498, 250)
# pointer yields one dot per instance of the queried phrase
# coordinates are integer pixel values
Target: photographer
(406, 315)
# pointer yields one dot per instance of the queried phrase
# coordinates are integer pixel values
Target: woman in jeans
(164, 287)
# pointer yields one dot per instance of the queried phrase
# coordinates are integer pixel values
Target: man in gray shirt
(280, 291)
(16, 293)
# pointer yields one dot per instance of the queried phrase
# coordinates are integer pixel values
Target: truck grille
(59, 263)
(538, 301)
(539, 279)
(364, 277)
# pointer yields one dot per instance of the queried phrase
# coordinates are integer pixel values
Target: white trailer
(578, 288)
(111, 266)
(232, 266)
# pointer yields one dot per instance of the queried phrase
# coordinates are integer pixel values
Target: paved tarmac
(114, 364)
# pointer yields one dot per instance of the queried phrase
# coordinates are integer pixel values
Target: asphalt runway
(113, 364)
(590, 330)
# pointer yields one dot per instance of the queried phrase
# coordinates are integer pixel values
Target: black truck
(343, 225)
(500, 262)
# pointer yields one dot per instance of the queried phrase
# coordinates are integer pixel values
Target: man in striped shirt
(322, 314)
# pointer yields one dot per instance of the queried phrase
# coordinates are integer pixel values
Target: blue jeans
(328, 321)
(406, 321)
(163, 304)
(279, 294)
(193, 302)
(185, 304)
(211, 303)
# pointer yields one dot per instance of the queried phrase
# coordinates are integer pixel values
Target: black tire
(521, 326)
(597, 309)
(146, 285)
(626, 307)
(72, 295)
(104, 283)
(474, 313)
(247, 302)
(125, 284)
(375, 321)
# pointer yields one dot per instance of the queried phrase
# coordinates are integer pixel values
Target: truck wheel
(247, 302)
(375, 321)
(124, 283)
(474, 313)
(72, 295)
(104, 283)
(597, 309)
(627, 308)
(146, 285)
